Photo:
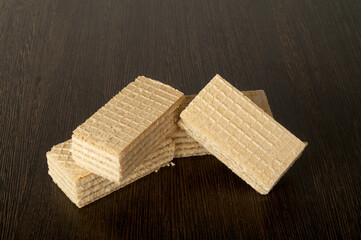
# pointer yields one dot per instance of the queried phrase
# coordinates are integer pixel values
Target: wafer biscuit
(186, 146)
(240, 134)
(83, 187)
(118, 135)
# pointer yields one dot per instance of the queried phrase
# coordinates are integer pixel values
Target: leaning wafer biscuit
(121, 133)
(186, 146)
(240, 134)
(83, 187)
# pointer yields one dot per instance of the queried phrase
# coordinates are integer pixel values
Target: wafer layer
(186, 146)
(240, 134)
(83, 187)
(119, 132)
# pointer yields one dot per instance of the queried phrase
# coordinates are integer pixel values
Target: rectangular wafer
(116, 139)
(186, 146)
(83, 187)
(240, 134)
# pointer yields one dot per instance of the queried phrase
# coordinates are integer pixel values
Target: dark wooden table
(62, 60)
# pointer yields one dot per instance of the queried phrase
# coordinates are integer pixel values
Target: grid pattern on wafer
(186, 146)
(127, 116)
(233, 164)
(248, 139)
(92, 187)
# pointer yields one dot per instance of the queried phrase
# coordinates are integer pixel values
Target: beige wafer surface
(186, 146)
(119, 130)
(240, 134)
(83, 187)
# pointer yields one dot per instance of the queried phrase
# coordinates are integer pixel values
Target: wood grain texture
(61, 60)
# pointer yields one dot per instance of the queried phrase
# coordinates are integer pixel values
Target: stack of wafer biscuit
(126, 139)
(149, 123)
(118, 137)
